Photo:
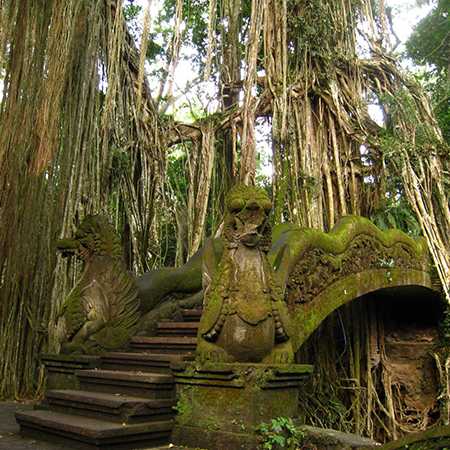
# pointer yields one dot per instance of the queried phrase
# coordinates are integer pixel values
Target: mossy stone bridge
(327, 270)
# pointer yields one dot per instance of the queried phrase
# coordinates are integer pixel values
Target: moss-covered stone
(337, 241)
(235, 398)
(60, 369)
(326, 439)
(157, 285)
(245, 318)
(169, 309)
(432, 439)
(101, 311)
(323, 271)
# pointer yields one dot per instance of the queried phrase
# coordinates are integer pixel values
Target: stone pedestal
(60, 369)
(220, 405)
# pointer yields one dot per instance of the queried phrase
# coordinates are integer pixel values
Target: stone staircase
(126, 403)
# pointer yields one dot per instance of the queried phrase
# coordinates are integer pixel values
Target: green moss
(300, 240)
(183, 408)
(234, 397)
(431, 439)
(240, 194)
(154, 286)
(293, 245)
(67, 245)
(96, 234)
(73, 310)
(103, 315)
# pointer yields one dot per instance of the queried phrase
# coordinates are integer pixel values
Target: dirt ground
(9, 431)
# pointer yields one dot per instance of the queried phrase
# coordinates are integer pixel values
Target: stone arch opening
(377, 356)
(409, 305)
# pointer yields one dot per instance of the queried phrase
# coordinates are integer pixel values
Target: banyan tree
(83, 130)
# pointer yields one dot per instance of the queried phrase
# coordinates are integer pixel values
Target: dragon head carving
(95, 235)
(247, 217)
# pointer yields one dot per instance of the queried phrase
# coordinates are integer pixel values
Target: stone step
(141, 384)
(88, 433)
(191, 315)
(164, 344)
(177, 328)
(112, 407)
(142, 361)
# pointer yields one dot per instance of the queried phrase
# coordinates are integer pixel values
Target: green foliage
(155, 48)
(312, 29)
(320, 29)
(175, 219)
(395, 212)
(279, 433)
(403, 111)
(183, 407)
(131, 13)
(429, 45)
(406, 131)
(441, 104)
(120, 165)
(195, 13)
(437, 85)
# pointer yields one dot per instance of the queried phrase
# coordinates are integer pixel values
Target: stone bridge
(327, 270)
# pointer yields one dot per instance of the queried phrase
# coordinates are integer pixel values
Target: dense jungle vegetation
(92, 119)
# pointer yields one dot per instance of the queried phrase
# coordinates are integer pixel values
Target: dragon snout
(67, 247)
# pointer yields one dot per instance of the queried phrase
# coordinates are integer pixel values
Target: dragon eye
(267, 205)
(236, 205)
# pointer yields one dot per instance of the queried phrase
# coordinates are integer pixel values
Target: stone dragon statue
(101, 312)
(245, 317)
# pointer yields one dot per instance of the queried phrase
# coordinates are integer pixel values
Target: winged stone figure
(101, 312)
